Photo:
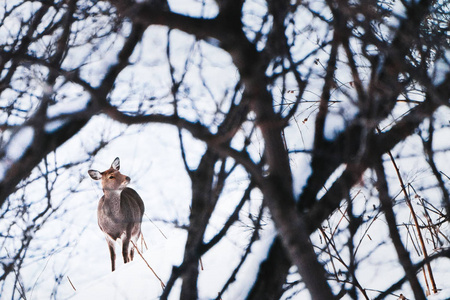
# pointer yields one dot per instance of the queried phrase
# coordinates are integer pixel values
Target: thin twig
(253, 238)
(154, 273)
(416, 223)
(201, 263)
(143, 243)
(156, 226)
(70, 281)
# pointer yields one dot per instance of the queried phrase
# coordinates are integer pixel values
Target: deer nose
(127, 178)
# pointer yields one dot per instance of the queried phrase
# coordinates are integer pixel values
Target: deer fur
(119, 212)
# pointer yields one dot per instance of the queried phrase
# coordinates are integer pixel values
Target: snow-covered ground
(136, 280)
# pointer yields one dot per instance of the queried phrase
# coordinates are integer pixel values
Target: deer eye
(111, 177)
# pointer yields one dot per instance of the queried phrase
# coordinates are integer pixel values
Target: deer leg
(134, 239)
(131, 253)
(113, 257)
(112, 252)
(126, 249)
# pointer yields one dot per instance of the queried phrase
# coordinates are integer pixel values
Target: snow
(247, 276)
(56, 113)
(334, 125)
(19, 143)
(441, 295)
(16, 148)
(53, 126)
(3, 170)
(441, 69)
(65, 108)
(135, 280)
(199, 9)
(301, 170)
(399, 14)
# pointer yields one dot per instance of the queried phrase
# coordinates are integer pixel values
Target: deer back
(131, 205)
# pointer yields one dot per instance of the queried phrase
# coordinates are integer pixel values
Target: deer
(120, 211)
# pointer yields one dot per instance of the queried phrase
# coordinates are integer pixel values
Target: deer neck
(112, 200)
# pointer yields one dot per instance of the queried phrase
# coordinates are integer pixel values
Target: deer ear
(116, 164)
(96, 175)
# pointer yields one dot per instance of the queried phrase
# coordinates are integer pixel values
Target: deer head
(112, 179)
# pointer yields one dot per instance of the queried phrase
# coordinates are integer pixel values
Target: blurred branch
(254, 237)
(429, 153)
(416, 224)
(403, 255)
